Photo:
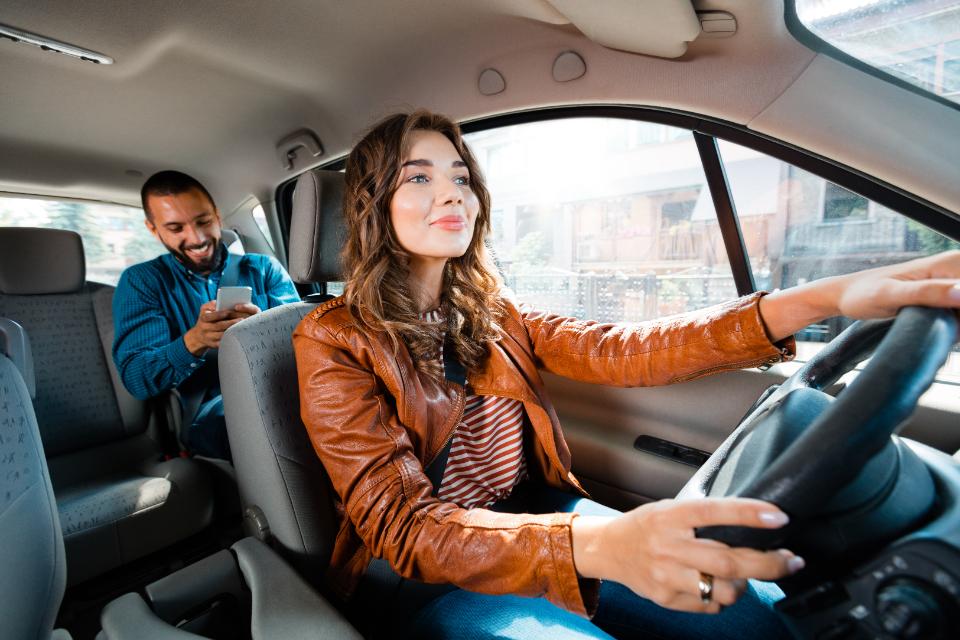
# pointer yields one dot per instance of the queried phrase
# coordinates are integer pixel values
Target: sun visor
(652, 27)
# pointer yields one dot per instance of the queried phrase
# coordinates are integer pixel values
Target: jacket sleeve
(371, 462)
(664, 351)
(149, 359)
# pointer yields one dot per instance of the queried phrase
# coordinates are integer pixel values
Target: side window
(799, 227)
(114, 237)
(260, 217)
(604, 219)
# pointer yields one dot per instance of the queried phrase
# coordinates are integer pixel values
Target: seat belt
(453, 371)
(190, 402)
(231, 271)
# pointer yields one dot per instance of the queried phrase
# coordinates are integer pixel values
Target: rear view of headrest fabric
(317, 229)
(40, 261)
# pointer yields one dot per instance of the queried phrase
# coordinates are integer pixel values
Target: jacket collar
(501, 375)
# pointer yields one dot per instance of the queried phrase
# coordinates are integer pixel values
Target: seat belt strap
(231, 270)
(192, 400)
(438, 466)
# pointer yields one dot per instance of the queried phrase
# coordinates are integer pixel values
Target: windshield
(917, 41)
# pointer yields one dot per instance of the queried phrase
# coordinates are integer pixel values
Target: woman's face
(434, 210)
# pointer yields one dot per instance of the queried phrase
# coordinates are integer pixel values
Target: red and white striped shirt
(486, 454)
(486, 457)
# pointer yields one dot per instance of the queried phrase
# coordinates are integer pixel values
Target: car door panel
(601, 425)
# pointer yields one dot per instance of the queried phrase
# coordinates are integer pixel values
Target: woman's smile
(450, 223)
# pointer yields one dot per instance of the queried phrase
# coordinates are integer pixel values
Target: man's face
(188, 225)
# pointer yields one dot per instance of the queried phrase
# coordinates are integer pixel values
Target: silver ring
(705, 586)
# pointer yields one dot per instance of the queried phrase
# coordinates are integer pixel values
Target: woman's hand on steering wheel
(881, 292)
(654, 551)
(933, 281)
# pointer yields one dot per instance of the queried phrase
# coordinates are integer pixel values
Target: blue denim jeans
(621, 613)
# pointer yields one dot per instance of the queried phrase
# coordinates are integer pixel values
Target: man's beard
(204, 266)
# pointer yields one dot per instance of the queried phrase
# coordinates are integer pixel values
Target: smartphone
(228, 297)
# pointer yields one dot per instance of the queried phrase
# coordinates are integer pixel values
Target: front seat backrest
(33, 577)
(282, 482)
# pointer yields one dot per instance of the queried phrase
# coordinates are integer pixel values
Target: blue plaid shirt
(158, 301)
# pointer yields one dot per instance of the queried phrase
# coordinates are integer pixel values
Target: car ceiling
(211, 87)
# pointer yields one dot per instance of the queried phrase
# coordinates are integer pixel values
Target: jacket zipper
(731, 367)
(456, 423)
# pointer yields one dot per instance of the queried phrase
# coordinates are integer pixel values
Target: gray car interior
(29, 524)
(282, 483)
(118, 500)
(281, 604)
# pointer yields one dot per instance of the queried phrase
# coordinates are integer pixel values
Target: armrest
(129, 617)
(284, 605)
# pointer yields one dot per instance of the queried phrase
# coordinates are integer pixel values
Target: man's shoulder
(144, 272)
(261, 263)
(259, 258)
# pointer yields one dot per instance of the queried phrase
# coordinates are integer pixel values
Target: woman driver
(425, 359)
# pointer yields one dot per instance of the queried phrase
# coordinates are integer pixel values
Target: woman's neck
(426, 282)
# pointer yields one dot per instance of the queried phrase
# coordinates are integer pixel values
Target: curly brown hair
(377, 289)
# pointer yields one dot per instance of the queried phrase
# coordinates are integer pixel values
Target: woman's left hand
(933, 281)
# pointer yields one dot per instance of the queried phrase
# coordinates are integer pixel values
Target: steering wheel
(816, 456)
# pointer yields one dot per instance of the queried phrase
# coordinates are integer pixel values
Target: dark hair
(170, 183)
(377, 291)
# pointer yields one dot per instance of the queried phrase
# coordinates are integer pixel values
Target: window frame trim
(725, 207)
(913, 207)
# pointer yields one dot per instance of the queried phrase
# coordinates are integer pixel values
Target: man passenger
(167, 328)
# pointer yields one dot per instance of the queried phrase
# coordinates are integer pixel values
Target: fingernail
(796, 563)
(954, 293)
(775, 518)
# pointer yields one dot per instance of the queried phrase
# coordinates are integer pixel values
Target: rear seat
(117, 499)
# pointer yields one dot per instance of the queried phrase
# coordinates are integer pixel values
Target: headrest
(15, 345)
(231, 240)
(37, 261)
(317, 229)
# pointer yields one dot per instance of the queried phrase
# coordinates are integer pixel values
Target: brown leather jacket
(376, 423)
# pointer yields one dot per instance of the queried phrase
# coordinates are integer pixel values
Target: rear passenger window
(603, 218)
(114, 236)
(260, 217)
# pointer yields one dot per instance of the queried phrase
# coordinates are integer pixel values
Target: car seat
(277, 603)
(118, 499)
(281, 480)
(283, 487)
(31, 547)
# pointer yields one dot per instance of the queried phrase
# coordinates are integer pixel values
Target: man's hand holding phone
(216, 317)
(230, 297)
